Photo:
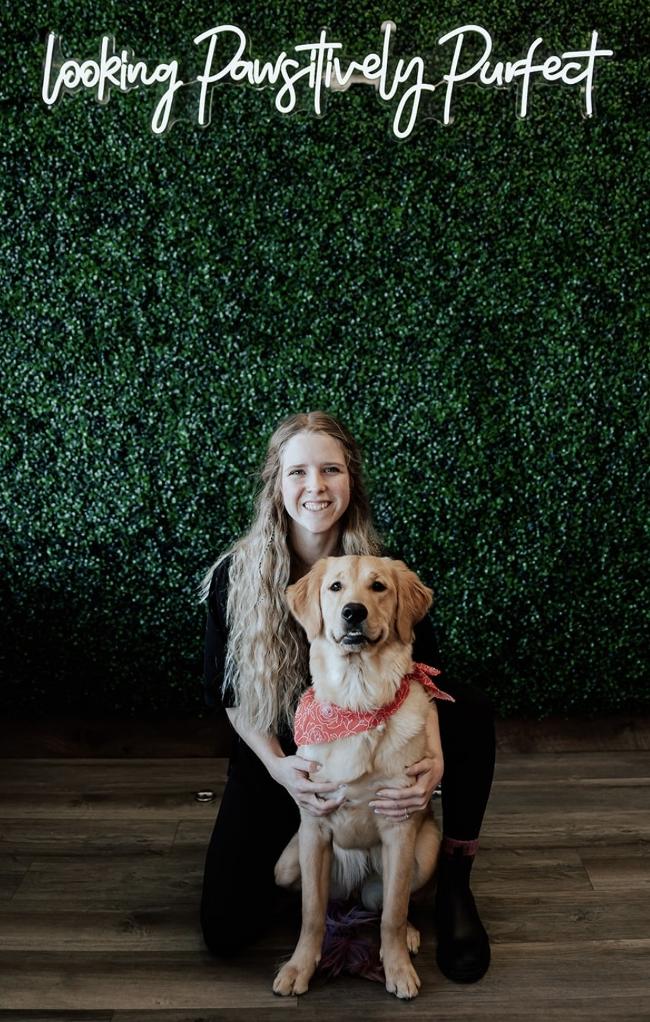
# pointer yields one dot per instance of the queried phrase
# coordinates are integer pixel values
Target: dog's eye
(378, 587)
(335, 586)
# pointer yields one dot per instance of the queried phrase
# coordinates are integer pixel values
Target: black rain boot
(463, 953)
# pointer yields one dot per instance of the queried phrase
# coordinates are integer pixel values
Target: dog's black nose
(354, 613)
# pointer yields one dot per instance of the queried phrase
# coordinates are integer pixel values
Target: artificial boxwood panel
(470, 302)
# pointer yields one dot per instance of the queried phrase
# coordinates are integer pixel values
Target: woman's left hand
(394, 802)
(399, 803)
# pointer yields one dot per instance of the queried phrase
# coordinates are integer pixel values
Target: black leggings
(257, 817)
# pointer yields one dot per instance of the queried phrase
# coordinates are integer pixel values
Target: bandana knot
(317, 723)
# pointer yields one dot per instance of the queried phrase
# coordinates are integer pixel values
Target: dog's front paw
(292, 979)
(402, 980)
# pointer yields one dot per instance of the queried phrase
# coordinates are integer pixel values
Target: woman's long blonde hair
(267, 653)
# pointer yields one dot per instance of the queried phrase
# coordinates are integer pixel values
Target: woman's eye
(378, 587)
(333, 469)
(335, 586)
(296, 472)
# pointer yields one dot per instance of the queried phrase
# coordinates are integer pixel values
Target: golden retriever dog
(358, 613)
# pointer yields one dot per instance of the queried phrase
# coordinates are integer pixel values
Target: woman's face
(315, 481)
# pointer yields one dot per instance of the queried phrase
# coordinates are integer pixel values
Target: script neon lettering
(319, 67)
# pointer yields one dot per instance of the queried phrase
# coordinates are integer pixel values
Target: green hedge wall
(470, 302)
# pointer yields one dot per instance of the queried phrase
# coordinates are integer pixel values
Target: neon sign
(318, 68)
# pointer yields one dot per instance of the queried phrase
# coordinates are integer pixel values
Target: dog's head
(359, 602)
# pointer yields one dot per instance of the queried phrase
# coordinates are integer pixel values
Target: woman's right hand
(292, 772)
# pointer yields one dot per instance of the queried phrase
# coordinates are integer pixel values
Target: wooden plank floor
(100, 877)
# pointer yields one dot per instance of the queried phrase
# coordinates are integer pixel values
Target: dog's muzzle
(354, 614)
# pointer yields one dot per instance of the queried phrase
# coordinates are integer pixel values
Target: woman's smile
(321, 505)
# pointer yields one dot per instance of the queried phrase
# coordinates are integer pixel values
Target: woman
(312, 504)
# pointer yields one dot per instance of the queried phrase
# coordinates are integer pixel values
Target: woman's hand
(292, 772)
(398, 803)
(395, 802)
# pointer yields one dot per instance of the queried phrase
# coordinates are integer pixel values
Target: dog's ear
(413, 601)
(303, 598)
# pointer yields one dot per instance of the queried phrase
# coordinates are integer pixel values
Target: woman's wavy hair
(267, 654)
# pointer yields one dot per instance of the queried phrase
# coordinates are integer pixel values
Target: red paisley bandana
(316, 723)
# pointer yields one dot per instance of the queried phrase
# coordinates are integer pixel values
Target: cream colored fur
(362, 849)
